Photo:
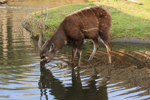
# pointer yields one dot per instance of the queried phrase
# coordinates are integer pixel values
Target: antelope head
(47, 50)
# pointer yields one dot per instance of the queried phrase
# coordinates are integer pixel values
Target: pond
(22, 78)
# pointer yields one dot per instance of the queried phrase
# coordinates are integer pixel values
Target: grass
(128, 19)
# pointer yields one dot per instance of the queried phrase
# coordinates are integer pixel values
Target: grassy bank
(128, 19)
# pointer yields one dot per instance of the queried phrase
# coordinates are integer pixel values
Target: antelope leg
(74, 51)
(79, 51)
(96, 46)
(108, 47)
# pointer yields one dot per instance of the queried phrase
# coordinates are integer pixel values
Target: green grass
(128, 19)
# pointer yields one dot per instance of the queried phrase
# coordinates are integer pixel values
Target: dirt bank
(130, 40)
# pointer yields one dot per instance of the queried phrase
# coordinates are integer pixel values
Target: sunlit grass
(129, 19)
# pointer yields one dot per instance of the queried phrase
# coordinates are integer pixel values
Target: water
(22, 78)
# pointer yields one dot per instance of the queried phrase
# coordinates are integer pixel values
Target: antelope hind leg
(108, 47)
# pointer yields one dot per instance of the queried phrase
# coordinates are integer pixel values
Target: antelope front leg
(79, 51)
(74, 51)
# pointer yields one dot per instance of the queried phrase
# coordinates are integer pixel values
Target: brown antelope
(89, 23)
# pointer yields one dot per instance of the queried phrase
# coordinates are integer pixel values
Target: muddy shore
(130, 40)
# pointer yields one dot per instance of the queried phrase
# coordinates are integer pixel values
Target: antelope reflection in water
(75, 91)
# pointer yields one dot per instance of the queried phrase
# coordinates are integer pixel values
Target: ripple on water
(121, 84)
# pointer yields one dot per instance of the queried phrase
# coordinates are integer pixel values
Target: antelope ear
(51, 47)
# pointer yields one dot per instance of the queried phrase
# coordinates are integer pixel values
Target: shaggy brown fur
(89, 23)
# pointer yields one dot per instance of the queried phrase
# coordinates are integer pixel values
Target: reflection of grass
(128, 19)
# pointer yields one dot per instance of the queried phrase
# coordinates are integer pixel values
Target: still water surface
(21, 77)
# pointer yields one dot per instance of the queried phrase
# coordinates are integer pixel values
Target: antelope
(88, 23)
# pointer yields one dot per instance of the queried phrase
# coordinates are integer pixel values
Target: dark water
(21, 77)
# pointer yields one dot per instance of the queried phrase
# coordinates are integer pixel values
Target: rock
(3, 1)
